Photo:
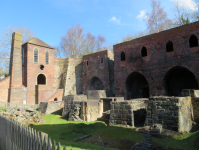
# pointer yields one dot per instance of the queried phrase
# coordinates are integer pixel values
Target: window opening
(47, 57)
(36, 55)
(122, 56)
(87, 63)
(22, 55)
(101, 60)
(169, 46)
(193, 41)
(144, 52)
(55, 99)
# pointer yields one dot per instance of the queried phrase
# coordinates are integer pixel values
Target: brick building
(159, 64)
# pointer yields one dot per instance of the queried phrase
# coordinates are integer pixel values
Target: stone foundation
(174, 113)
(122, 113)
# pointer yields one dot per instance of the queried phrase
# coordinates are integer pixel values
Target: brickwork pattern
(158, 61)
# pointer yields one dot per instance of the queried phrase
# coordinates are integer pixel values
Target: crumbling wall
(69, 101)
(51, 107)
(174, 113)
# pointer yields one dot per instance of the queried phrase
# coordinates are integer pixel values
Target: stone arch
(136, 86)
(41, 79)
(193, 41)
(178, 78)
(96, 84)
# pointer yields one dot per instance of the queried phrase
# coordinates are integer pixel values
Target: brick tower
(15, 70)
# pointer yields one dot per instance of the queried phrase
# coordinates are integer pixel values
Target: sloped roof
(37, 41)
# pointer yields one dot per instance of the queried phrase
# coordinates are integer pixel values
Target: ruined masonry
(146, 81)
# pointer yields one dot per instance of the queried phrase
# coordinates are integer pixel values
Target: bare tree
(6, 37)
(182, 16)
(6, 40)
(76, 43)
(157, 19)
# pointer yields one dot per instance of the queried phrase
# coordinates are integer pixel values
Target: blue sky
(50, 19)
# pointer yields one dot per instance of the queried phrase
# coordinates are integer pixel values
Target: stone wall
(4, 88)
(51, 107)
(60, 68)
(73, 84)
(174, 113)
(122, 113)
(69, 101)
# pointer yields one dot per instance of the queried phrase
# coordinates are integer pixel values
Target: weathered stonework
(174, 113)
(122, 113)
(51, 107)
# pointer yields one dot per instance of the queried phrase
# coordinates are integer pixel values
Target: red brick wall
(33, 70)
(158, 62)
(96, 69)
(4, 88)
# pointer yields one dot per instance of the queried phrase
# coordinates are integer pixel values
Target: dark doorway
(144, 52)
(41, 79)
(139, 117)
(96, 84)
(122, 56)
(169, 46)
(193, 41)
(179, 78)
(137, 86)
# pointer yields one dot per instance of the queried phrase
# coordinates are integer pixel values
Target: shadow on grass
(64, 131)
(189, 141)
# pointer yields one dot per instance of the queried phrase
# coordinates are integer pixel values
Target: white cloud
(142, 14)
(114, 19)
(189, 4)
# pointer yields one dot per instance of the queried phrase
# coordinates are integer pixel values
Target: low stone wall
(174, 113)
(51, 107)
(122, 113)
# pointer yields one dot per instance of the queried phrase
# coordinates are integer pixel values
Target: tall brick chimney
(15, 70)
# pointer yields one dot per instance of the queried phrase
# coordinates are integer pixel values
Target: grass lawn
(189, 141)
(64, 131)
(2, 108)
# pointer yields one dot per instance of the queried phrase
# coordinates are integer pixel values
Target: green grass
(64, 131)
(189, 141)
(2, 108)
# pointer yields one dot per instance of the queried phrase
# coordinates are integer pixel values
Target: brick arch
(178, 78)
(95, 83)
(41, 79)
(136, 86)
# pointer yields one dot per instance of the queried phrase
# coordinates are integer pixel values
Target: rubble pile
(25, 115)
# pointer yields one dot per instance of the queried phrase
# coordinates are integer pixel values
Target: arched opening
(144, 52)
(193, 41)
(55, 99)
(41, 79)
(96, 84)
(137, 86)
(122, 56)
(169, 46)
(179, 78)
